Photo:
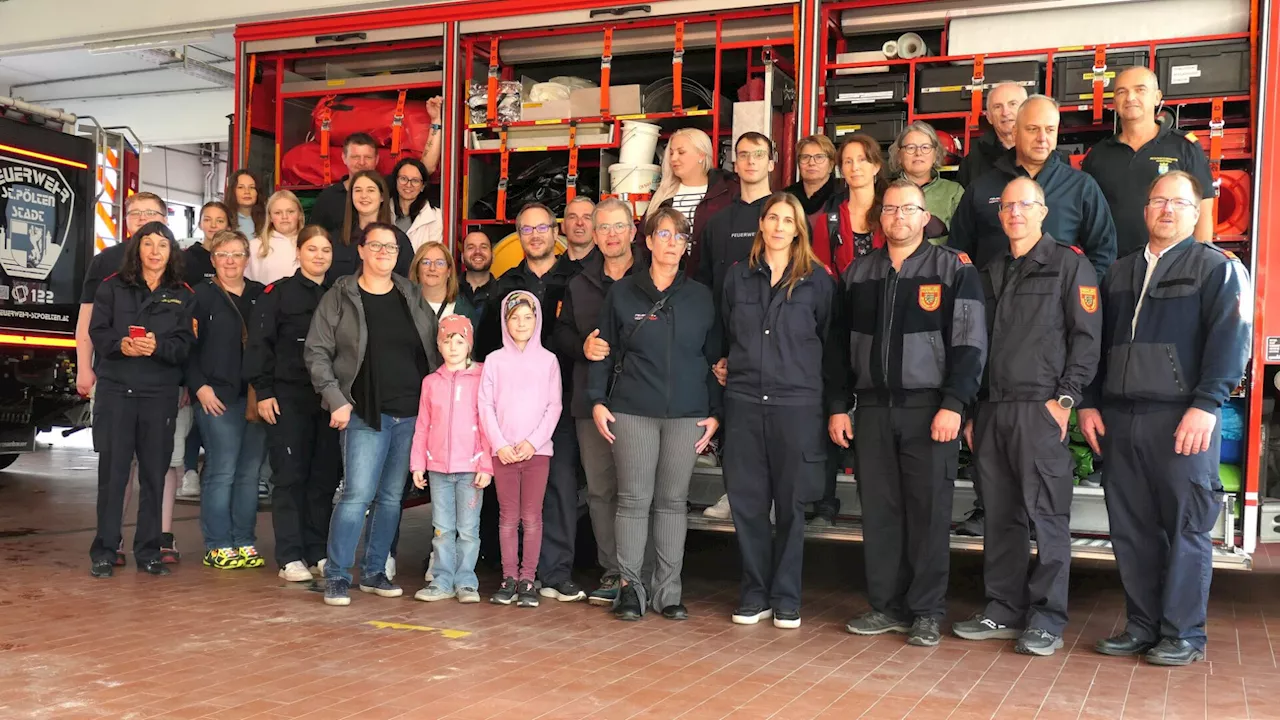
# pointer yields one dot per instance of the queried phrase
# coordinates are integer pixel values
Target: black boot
(154, 567)
(1174, 653)
(1122, 645)
(629, 607)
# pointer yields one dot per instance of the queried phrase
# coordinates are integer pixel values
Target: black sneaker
(924, 632)
(154, 567)
(528, 597)
(506, 592)
(102, 569)
(379, 585)
(876, 623)
(974, 524)
(628, 607)
(337, 591)
(676, 612)
(1038, 642)
(1123, 645)
(786, 619)
(1174, 653)
(981, 627)
(169, 549)
(750, 615)
(567, 591)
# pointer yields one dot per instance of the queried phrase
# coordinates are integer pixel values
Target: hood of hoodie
(535, 342)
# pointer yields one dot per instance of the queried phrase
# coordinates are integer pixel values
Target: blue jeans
(455, 509)
(234, 449)
(377, 462)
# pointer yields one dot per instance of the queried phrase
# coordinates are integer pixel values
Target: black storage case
(1073, 76)
(1211, 70)
(854, 92)
(883, 126)
(945, 88)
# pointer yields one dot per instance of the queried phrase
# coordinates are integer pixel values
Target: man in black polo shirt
(1003, 101)
(359, 153)
(1126, 164)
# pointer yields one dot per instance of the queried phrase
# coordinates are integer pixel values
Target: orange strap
(975, 107)
(491, 112)
(606, 65)
(503, 170)
(1215, 152)
(1099, 78)
(677, 70)
(248, 108)
(571, 180)
(326, 122)
(397, 125)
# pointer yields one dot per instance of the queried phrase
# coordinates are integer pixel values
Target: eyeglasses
(616, 228)
(440, 264)
(904, 210)
(409, 181)
(529, 229)
(1022, 206)
(745, 155)
(388, 248)
(1175, 204)
(671, 238)
(222, 255)
(916, 149)
(148, 214)
(817, 159)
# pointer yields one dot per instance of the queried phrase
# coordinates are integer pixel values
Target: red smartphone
(137, 331)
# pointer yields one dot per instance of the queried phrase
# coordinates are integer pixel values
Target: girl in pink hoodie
(519, 409)
(450, 450)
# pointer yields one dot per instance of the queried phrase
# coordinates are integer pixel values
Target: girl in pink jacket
(450, 449)
(519, 409)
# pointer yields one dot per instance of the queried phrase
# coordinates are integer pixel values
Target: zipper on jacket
(448, 444)
(671, 338)
(892, 292)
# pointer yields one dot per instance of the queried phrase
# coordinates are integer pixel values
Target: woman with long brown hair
(848, 226)
(367, 202)
(245, 197)
(777, 310)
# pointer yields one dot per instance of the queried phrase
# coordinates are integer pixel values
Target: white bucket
(634, 179)
(639, 142)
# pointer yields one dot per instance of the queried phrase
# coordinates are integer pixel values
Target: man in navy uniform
(1177, 322)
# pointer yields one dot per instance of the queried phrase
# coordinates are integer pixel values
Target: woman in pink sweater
(519, 409)
(450, 450)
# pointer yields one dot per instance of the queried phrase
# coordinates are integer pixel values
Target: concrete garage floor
(244, 644)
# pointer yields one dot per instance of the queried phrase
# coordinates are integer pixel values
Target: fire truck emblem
(36, 203)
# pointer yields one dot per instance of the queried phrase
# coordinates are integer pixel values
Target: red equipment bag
(375, 116)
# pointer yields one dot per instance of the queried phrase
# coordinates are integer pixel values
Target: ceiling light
(148, 41)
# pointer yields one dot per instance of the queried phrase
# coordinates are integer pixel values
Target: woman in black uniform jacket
(304, 453)
(142, 334)
(777, 315)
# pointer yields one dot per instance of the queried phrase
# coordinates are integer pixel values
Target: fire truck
(62, 184)
(788, 68)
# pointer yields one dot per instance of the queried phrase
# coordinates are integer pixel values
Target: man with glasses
(1045, 328)
(359, 153)
(577, 343)
(816, 162)
(1176, 326)
(1126, 164)
(1077, 210)
(1003, 101)
(912, 370)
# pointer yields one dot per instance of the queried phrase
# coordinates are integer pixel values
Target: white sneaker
(391, 568)
(295, 571)
(431, 564)
(190, 487)
(431, 593)
(720, 510)
(320, 567)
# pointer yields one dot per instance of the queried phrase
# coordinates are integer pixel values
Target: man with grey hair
(1003, 101)
(1078, 211)
(576, 339)
(576, 227)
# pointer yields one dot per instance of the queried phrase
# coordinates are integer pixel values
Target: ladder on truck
(114, 183)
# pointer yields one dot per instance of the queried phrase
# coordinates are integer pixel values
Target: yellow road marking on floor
(451, 634)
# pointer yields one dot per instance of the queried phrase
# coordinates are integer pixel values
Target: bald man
(1003, 102)
(1126, 164)
(1078, 211)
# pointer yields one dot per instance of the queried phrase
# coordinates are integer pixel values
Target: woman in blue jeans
(234, 447)
(372, 341)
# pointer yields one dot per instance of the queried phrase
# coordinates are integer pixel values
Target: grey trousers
(654, 458)
(602, 492)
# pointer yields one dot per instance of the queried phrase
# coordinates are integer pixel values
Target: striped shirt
(686, 200)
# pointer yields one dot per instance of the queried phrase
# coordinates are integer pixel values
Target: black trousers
(829, 504)
(906, 509)
(777, 458)
(1025, 470)
(1161, 507)
(560, 504)
(305, 463)
(125, 425)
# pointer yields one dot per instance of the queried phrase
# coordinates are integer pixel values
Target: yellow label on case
(336, 83)
(636, 116)
(547, 122)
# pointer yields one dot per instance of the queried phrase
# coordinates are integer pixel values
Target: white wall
(176, 174)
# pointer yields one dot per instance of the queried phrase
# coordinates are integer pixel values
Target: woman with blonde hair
(781, 300)
(434, 272)
(692, 185)
(273, 253)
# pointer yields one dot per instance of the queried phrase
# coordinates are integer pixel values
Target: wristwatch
(1066, 402)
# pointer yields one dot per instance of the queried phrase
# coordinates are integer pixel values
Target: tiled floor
(205, 644)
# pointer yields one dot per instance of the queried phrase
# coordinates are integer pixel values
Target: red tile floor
(209, 644)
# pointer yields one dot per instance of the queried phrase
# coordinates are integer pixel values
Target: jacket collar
(472, 368)
(593, 268)
(1008, 163)
(644, 281)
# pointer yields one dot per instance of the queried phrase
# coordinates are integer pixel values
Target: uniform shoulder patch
(1076, 249)
(1191, 137)
(963, 258)
(266, 290)
(1089, 298)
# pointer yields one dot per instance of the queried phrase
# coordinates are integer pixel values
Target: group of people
(895, 312)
